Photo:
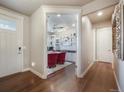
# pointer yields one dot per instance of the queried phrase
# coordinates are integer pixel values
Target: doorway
(11, 53)
(61, 41)
(102, 29)
(104, 44)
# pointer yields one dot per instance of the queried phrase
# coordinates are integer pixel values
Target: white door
(104, 44)
(9, 51)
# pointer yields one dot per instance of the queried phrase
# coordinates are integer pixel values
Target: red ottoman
(52, 60)
(61, 58)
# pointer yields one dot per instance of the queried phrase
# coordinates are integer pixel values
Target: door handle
(19, 50)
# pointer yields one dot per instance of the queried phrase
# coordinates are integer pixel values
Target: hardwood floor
(99, 78)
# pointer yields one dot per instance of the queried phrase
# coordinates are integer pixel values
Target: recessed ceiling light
(73, 25)
(58, 15)
(100, 13)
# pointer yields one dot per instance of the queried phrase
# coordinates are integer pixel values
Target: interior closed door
(104, 44)
(9, 63)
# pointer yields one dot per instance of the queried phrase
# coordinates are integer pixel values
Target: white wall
(119, 71)
(102, 24)
(86, 44)
(37, 40)
(26, 37)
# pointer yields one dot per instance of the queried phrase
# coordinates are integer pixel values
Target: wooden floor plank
(100, 78)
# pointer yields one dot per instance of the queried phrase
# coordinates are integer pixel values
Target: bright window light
(7, 24)
(58, 15)
(73, 25)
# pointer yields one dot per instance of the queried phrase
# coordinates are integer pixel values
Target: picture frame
(117, 31)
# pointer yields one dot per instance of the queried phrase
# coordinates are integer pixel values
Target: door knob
(20, 49)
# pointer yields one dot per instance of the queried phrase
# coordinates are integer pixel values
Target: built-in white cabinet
(70, 57)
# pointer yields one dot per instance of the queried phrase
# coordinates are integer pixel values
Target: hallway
(99, 78)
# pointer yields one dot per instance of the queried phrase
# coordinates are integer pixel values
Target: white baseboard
(38, 74)
(87, 69)
(35, 72)
(103, 61)
(117, 82)
(26, 69)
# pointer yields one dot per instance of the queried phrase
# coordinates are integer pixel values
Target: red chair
(52, 60)
(61, 58)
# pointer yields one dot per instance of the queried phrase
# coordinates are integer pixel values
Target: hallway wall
(37, 40)
(119, 71)
(87, 46)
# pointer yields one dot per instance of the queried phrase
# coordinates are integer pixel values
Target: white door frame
(96, 30)
(20, 20)
(67, 10)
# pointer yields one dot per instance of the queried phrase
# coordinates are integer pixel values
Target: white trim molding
(35, 72)
(60, 9)
(86, 70)
(119, 88)
(26, 69)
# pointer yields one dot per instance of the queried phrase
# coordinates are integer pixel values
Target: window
(8, 24)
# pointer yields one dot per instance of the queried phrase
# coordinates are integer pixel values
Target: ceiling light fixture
(100, 13)
(73, 25)
(58, 15)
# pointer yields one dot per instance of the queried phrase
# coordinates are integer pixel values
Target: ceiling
(65, 20)
(107, 15)
(29, 6)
